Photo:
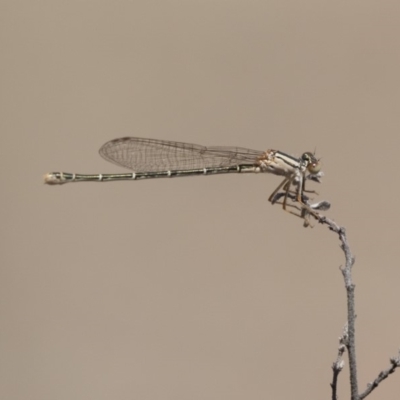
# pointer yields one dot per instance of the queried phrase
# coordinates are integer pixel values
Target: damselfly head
(312, 163)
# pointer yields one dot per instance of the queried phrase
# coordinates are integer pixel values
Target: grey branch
(348, 339)
(338, 365)
(395, 361)
(351, 316)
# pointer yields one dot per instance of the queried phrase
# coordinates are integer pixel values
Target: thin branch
(349, 285)
(338, 365)
(348, 338)
(350, 345)
(395, 361)
(351, 316)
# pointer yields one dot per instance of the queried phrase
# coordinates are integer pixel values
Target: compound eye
(314, 167)
(313, 164)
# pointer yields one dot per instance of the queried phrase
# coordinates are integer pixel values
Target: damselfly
(152, 158)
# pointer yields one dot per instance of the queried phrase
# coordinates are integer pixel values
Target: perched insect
(152, 158)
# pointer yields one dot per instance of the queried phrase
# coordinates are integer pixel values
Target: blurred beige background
(195, 288)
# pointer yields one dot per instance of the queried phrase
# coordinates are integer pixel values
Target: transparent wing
(152, 155)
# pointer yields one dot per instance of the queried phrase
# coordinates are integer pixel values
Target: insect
(152, 158)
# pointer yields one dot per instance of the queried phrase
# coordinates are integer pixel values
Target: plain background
(195, 288)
